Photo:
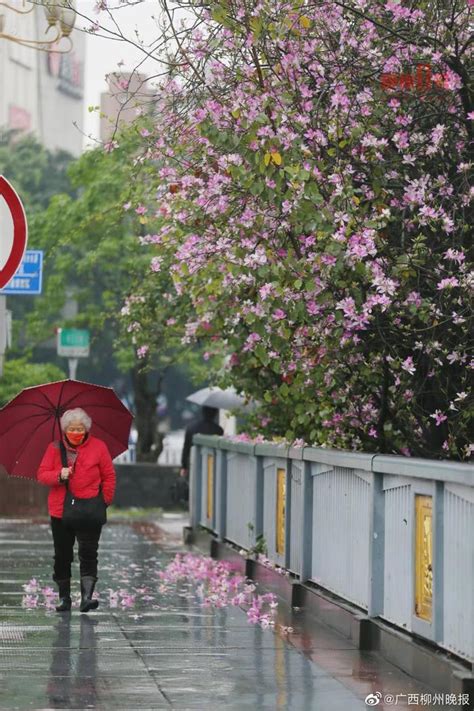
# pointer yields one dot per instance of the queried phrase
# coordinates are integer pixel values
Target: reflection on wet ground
(151, 649)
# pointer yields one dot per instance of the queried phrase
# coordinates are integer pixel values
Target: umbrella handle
(64, 462)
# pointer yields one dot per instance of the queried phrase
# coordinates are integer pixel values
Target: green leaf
(257, 187)
(256, 26)
(219, 14)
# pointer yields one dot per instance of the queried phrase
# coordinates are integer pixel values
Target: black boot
(64, 595)
(87, 588)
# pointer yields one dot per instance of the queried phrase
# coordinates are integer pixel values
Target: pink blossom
(30, 601)
(299, 443)
(279, 315)
(156, 264)
(455, 255)
(439, 417)
(252, 339)
(447, 283)
(265, 290)
(408, 365)
(414, 298)
(110, 146)
(33, 586)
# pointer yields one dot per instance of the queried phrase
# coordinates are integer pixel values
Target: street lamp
(60, 15)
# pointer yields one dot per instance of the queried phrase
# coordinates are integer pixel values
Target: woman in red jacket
(89, 467)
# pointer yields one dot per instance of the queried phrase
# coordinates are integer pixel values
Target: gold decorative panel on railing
(280, 511)
(423, 557)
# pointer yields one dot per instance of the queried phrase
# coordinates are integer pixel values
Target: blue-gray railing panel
(202, 507)
(270, 466)
(341, 533)
(220, 505)
(241, 475)
(459, 570)
(398, 577)
(195, 482)
(296, 515)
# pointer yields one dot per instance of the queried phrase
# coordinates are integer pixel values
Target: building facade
(42, 93)
(127, 92)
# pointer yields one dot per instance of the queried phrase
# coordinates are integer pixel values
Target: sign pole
(3, 330)
(72, 363)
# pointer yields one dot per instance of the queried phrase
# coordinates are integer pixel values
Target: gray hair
(77, 414)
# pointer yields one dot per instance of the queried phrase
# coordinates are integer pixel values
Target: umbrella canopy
(30, 421)
(216, 397)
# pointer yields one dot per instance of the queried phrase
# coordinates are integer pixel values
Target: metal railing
(392, 535)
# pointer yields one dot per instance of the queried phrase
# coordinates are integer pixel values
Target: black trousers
(64, 538)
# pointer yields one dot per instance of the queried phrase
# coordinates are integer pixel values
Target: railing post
(195, 486)
(305, 531)
(259, 480)
(288, 505)
(376, 547)
(438, 562)
(221, 494)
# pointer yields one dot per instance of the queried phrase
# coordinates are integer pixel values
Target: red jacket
(93, 466)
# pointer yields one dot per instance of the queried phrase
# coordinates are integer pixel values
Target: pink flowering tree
(312, 192)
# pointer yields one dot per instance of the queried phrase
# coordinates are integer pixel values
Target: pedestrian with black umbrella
(211, 399)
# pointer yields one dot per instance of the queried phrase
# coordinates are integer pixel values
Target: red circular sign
(20, 231)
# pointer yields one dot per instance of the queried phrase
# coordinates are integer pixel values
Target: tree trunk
(146, 387)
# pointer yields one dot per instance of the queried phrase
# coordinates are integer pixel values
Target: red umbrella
(30, 421)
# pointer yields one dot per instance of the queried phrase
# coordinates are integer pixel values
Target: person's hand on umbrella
(65, 473)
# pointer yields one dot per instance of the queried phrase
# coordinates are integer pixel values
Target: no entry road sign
(13, 231)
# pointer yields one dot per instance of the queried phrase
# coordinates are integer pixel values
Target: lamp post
(60, 16)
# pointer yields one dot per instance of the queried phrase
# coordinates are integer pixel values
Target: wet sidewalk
(146, 649)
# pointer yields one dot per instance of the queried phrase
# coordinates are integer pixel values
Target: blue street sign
(28, 279)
